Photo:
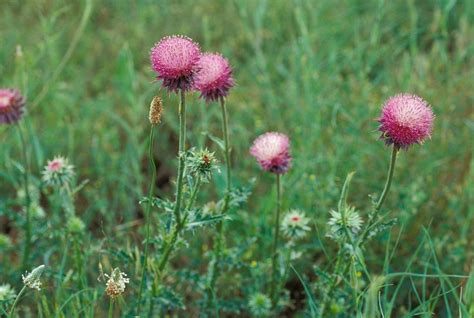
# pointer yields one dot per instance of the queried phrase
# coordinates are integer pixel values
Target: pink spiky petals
(12, 105)
(405, 120)
(174, 58)
(272, 152)
(214, 76)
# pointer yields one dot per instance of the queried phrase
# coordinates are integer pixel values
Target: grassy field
(318, 71)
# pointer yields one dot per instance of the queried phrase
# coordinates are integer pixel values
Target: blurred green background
(318, 71)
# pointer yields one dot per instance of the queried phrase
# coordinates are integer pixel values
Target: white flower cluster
(32, 280)
(115, 284)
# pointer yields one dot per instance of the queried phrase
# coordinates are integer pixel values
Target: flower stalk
(26, 250)
(274, 283)
(147, 214)
(219, 246)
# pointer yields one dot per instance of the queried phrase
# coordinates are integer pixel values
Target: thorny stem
(147, 214)
(26, 251)
(214, 271)
(381, 200)
(273, 295)
(16, 301)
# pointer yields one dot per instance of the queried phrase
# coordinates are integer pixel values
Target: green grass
(316, 70)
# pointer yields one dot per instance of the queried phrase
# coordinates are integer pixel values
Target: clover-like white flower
(32, 280)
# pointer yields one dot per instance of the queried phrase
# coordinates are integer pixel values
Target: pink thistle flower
(214, 76)
(174, 58)
(272, 152)
(405, 120)
(11, 105)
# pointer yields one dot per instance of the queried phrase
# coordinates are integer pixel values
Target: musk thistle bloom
(272, 152)
(156, 108)
(214, 76)
(174, 58)
(116, 283)
(11, 106)
(295, 224)
(351, 220)
(32, 280)
(58, 172)
(405, 120)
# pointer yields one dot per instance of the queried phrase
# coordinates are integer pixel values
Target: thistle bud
(156, 108)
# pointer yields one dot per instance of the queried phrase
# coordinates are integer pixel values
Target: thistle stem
(214, 271)
(16, 301)
(273, 294)
(147, 214)
(181, 156)
(26, 251)
(381, 200)
(179, 224)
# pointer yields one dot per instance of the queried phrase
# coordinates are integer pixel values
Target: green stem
(194, 194)
(381, 200)
(169, 247)
(273, 295)
(16, 301)
(181, 156)
(214, 271)
(26, 250)
(147, 214)
(111, 308)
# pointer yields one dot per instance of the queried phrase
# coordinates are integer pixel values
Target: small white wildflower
(115, 285)
(260, 305)
(352, 221)
(7, 293)
(58, 172)
(295, 224)
(32, 280)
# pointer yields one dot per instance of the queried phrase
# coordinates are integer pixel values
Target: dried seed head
(156, 108)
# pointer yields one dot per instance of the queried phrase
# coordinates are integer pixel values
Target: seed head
(272, 152)
(156, 108)
(214, 76)
(12, 105)
(405, 120)
(174, 58)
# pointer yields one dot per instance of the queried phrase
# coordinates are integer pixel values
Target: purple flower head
(214, 76)
(174, 58)
(11, 105)
(405, 120)
(272, 152)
